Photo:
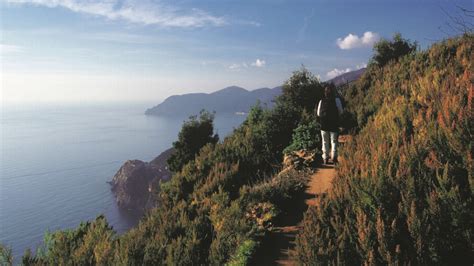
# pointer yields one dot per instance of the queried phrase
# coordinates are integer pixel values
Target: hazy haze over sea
(55, 162)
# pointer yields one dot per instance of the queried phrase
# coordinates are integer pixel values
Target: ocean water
(55, 162)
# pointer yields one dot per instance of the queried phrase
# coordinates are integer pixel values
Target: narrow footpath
(279, 246)
(319, 183)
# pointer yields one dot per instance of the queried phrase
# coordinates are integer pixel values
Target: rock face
(135, 180)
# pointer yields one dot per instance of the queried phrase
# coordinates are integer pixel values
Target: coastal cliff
(135, 180)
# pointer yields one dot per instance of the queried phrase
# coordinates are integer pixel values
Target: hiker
(329, 111)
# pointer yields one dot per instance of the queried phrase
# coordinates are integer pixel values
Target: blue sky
(122, 50)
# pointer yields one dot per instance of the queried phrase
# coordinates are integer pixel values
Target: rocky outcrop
(299, 159)
(135, 181)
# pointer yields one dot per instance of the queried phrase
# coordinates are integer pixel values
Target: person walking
(329, 111)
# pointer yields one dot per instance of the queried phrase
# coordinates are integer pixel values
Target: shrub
(195, 133)
(244, 253)
(389, 50)
(6, 257)
(306, 136)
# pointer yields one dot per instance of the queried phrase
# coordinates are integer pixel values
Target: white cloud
(140, 12)
(352, 41)
(337, 72)
(9, 49)
(235, 66)
(259, 63)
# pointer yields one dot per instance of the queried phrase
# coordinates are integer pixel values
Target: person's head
(329, 90)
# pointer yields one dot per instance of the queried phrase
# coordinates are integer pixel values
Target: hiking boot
(326, 161)
(335, 161)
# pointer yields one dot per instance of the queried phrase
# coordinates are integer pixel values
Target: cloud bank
(337, 72)
(352, 41)
(259, 63)
(139, 12)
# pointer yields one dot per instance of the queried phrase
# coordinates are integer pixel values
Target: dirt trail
(319, 183)
(278, 247)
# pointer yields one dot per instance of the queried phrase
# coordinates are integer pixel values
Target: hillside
(347, 77)
(228, 100)
(401, 195)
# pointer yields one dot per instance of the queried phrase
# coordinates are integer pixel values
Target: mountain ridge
(231, 99)
(347, 77)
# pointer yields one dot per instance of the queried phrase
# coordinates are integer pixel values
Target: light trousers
(329, 136)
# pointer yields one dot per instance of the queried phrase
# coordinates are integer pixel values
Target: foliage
(90, 243)
(403, 193)
(195, 133)
(305, 136)
(6, 257)
(390, 50)
(244, 253)
(302, 90)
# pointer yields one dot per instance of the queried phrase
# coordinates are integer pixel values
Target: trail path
(278, 247)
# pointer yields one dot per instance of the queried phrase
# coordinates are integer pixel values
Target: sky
(123, 50)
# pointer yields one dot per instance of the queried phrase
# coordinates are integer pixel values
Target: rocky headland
(134, 181)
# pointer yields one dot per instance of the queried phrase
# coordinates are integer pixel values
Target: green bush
(195, 133)
(390, 50)
(306, 136)
(6, 257)
(244, 253)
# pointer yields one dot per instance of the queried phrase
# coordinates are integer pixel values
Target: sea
(55, 161)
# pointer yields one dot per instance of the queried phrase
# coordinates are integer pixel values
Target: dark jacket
(329, 111)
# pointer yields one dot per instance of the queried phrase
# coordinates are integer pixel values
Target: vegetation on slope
(403, 194)
(221, 200)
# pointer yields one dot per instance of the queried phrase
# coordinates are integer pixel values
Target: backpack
(329, 115)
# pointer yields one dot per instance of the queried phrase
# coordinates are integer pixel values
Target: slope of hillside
(347, 77)
(217, 206)
(403, 194)
(228, 100)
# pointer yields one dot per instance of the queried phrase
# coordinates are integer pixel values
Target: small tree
(302, 90)
(388, 50)
(195, 134)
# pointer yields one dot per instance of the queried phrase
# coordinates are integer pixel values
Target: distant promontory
(228, 100)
